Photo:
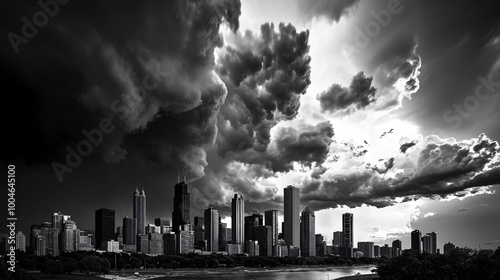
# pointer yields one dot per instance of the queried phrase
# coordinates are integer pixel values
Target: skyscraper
(70, 237)
(416, 236)
(271, 219)
(367, 248)
(307, 233)
(222, 235)
(347, 228)
(182, 206)
(264, 235)
(20, 241)
(237, 219)
(338, 239)
(104, 227)
(140, 210)
(129, 231)
(212, 229)
(397, 248)
(291, 232)
(429, 243)
(250, 223)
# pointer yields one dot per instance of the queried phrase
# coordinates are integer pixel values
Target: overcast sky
(385, 109)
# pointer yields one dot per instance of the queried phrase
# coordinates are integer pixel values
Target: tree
(53, 268)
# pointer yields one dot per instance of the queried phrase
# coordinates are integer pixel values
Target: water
(291, 274)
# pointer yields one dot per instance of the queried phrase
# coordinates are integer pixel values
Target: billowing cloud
(435, 169)
(397, 72)
(308, 145)
(156, 84)
(265, 75)
(359, 94)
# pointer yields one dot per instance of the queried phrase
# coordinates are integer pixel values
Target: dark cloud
(359, 94)
(462, 210)
(396, 69)
(387, 132)
(332, 10)
(148, 67)
(406, 146)
(437, 174)
(307, 145)
(265, 76)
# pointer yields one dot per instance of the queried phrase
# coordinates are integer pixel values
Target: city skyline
(254, 224)
(385, 109)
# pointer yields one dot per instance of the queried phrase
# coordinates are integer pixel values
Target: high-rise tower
(416, 236)
(104, 227)
(307, 233)
(140, 210)
(212, 229)
(237, 219)
(271, 219)
(291, 231)
(182, 206)
(347, 228)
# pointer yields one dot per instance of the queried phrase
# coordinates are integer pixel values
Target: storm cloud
(438, 169)
(359, 94)
(157, 79)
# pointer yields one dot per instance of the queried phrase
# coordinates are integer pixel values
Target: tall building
(70, 237)
(396, 248)
(250, 223)
(429, 243)
(321, 248)
(237, 219)
(212, 229)
(104, 227)
(182, 206)
(367, 248)
(307, 233)
(338, 238)
(129, 231)
(20, 242)
(264, 235)
(85, 240)
(140, 210)
(58, 220)
(185, 239)
(448, 248)
(291, 231)
(416, 236)
(271, 219)
(347, 229)
(222, 235)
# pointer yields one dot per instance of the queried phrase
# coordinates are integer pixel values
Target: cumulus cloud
(429, 214)
(149, 68)
(265, 75)
(434, 169)
(359, 94)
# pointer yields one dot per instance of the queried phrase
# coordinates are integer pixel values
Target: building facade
(291, 230)
(237, 219)
(212, 229)
(347, 229)
(182, 206)
(307, 233)
(140, 210)
(104, 227)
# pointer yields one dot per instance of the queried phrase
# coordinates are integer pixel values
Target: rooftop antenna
(185, 180)
(178, 176)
